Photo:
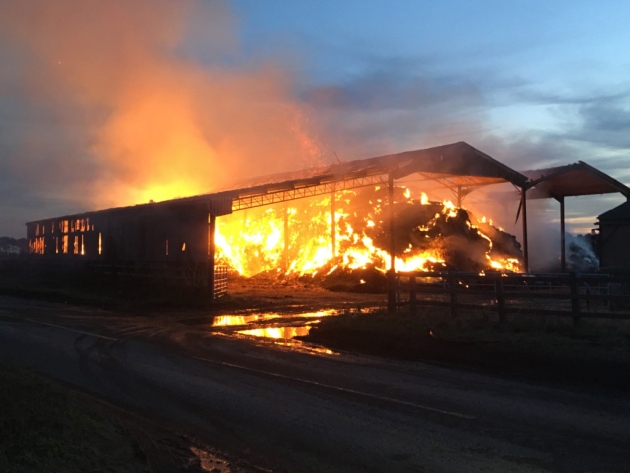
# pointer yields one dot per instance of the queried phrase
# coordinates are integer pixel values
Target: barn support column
(212, 224)
(285, 253)
(391, 279)
(460, 197)
(563, 249)
(333, 229)
(525, 245)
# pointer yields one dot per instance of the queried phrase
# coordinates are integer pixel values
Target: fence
(194, 274)
(220, 281)
(573, 295)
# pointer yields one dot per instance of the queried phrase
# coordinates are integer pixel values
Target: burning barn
(185, 232)
(348, 216)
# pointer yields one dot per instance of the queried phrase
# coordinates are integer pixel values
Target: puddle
(278, 333)
(279, 328)
(234, 320)
(286, 336)
(228, 320)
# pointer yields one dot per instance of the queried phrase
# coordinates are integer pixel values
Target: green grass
(45, 427)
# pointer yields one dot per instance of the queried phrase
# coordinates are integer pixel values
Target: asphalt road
(289, 410)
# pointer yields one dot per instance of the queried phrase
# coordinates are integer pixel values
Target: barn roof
(621, 212)
(454, 166)
(571, 180)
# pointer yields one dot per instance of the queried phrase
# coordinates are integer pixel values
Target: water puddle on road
(284, 333)
(280, 328)
(236, 320)
(230, 320)
(286, 336)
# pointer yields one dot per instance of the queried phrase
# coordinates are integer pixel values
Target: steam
(581, 255)
(129, 110)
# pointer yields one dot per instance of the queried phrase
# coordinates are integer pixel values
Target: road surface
(287, 410)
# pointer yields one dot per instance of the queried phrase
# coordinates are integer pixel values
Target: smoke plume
(118, 102)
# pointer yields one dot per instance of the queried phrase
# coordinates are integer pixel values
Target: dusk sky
(114, 103)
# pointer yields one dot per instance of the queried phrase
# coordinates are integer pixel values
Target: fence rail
(176, 273)
(220, 281)
(572, 295)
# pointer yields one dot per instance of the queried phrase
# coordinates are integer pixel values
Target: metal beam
(525, 244)
(333, 226)
(285, 254)
(391, 280)
(269, 198)
(563, 252)
(212, 223)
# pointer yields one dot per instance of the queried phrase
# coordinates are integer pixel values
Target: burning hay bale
(428, 236)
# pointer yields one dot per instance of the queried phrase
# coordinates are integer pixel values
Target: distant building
(614, 238)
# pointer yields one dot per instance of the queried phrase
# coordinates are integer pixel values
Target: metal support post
(563, 252)
(525, 245)
(391, 280)
(285, 254)
(211, 254)
(333, 226)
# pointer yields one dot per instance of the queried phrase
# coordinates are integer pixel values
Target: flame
(449, 209)
(254, 241)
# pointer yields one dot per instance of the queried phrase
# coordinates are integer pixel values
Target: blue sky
(531, 83)
(531, 69)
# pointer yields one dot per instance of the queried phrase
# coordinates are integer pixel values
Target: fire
(296, 239)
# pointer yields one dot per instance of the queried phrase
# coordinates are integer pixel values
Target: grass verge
(47, 427)
(549, 349)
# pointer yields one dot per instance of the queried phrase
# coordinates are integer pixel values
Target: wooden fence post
(452, 282)
(392, 292)
(575, 299)
(412, 294)
(498, 287)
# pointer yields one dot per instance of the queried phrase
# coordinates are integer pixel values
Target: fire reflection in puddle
(286, 336)
(276, 327)
(232, 320)
(284, 333)
(227, 320)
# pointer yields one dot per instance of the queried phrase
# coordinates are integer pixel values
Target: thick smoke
(581, 255)
(118, 102)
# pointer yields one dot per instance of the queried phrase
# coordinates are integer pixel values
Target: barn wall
(144, 234)
(614, 249)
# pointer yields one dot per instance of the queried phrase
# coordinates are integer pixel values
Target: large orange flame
(255, 241)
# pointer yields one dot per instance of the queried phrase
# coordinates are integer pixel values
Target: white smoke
(581, 256)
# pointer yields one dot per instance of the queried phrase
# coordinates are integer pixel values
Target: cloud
(605, 122)
(392, 106)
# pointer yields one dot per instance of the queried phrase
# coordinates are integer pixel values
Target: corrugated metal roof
(456, 165)
(455, 161)
(571, 180)
(451, 166)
